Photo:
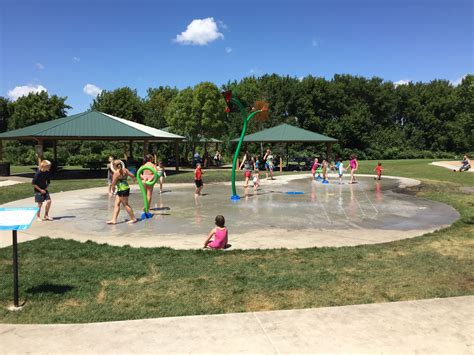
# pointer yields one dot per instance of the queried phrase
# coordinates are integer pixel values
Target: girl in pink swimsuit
(219, 233)
(314, 167)
(353, 164)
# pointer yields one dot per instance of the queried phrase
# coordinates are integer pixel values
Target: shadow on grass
(49, 288)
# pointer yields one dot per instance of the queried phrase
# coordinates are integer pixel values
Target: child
(379, 170)
(162, 174)
(256, 163)
(256, 179)
(198, 179)
(147, 175)
(325, 172)
(123, 191)
(110, 174)
(353, 165)
(314, 167)
(247, 166)
(40, 182)
(339, 170)
(219, 233)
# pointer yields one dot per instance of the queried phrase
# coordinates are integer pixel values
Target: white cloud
(200, 32)
(39, 66)
(314, 43)
(402, 82)
(92, 90)
(228, 50)
(20, 91)
(76, 59)
(222, 25)
(458, 80)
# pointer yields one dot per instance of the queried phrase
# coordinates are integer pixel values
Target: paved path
(451, 165)
(13, 180)
(436, 326)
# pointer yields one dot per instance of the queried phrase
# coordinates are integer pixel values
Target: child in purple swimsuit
(219, 233)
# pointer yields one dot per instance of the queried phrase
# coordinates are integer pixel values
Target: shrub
(391, 153)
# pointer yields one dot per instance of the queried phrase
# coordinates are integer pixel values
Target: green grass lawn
(28, 169)
(66, 281)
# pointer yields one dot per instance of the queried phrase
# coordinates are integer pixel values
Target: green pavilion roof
(287, 134)
(90, 125)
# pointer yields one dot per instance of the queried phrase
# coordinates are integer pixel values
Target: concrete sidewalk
(429, 326)
(451, 165)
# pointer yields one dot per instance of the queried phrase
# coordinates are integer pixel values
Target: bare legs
(247, 178)
(353, 179)
(122, 200)
(198, 190)
(162, 179)
(111, 191)
(149, 194)
(38, 216)
(271, 174)
(46, 211)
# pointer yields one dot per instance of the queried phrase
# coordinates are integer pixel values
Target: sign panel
(17, 218)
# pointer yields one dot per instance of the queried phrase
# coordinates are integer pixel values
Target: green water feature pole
(246, 118)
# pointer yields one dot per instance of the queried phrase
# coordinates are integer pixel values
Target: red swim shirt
(197, 174)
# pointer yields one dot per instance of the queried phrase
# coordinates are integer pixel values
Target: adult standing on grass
(40, 182)
(353, 165)
(247, 165)
(217, 159)
(268, 159)
(207, 159)
(123, 191)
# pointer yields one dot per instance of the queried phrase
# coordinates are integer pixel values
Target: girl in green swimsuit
(123, 191)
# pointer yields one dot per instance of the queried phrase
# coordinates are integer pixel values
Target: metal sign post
(15, 219)
(15, 269)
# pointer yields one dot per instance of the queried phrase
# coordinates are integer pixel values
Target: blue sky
(74, 48)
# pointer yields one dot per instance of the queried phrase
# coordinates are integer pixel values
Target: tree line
(370, 117)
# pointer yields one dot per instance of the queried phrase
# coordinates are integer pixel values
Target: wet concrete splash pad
(274, 217)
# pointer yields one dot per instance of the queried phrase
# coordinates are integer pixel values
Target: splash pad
(324, 215)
